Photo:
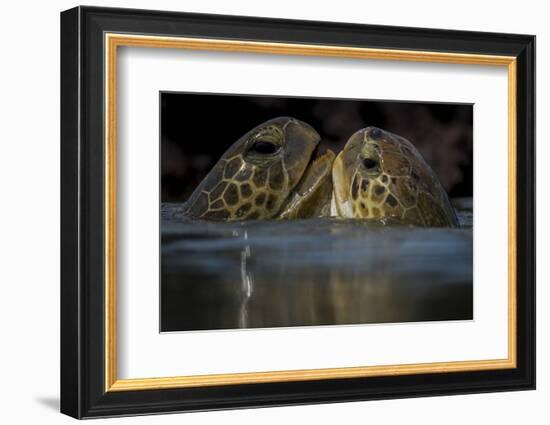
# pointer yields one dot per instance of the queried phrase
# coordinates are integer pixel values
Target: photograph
(289, 209)
(300, 211)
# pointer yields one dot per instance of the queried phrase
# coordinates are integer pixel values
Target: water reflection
(247, 283)
(312, 272)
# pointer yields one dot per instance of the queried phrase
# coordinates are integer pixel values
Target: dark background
(196, 129)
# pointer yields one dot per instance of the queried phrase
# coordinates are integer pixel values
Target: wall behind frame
(29, 171)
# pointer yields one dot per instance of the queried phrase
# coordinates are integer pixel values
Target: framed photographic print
(261, 212)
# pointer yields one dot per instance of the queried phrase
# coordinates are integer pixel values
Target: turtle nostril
(375, 133)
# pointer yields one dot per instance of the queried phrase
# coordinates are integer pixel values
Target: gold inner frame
(113, 41)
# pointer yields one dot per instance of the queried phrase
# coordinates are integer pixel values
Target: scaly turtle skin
(271, 172)
(380, 175)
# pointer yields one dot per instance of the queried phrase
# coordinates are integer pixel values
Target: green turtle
(380, 175)
(273, 171)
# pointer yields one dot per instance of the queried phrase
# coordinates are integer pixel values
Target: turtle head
(279, 150)
(381, 175)
(257, 173)
(355, 171)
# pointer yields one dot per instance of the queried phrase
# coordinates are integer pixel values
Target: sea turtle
(380, 175)
(273, 171)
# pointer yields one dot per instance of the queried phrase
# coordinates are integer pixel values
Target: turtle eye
(370, 163)
(264, 148)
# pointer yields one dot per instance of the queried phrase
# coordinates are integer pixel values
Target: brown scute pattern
(254, 215)
(201, 203)
(231, 195)
(431, 211)
(403, 191)
(232, 167)
(246, 190)
(396, 164)
(377, 192)
(245, 184)
(244, 174)
(260, 198)
(243, 209)
(218, 203)
(276, 178)
(216, 215)
(413, 216)
(259, 178)
(218, 190)
(244, 193)
(391, 201)
(355, 188)
(426, 182)
(271, 200)
(406, 189)
(406, 150)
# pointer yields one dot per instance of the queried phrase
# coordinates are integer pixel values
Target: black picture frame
(83, 392)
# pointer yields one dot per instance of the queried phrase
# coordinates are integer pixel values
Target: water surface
(312, 272)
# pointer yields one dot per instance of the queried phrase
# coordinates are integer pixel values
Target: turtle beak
(301, 140)
(301, 135)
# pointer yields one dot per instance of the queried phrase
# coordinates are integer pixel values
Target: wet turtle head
(381, 175)
(257, 174)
